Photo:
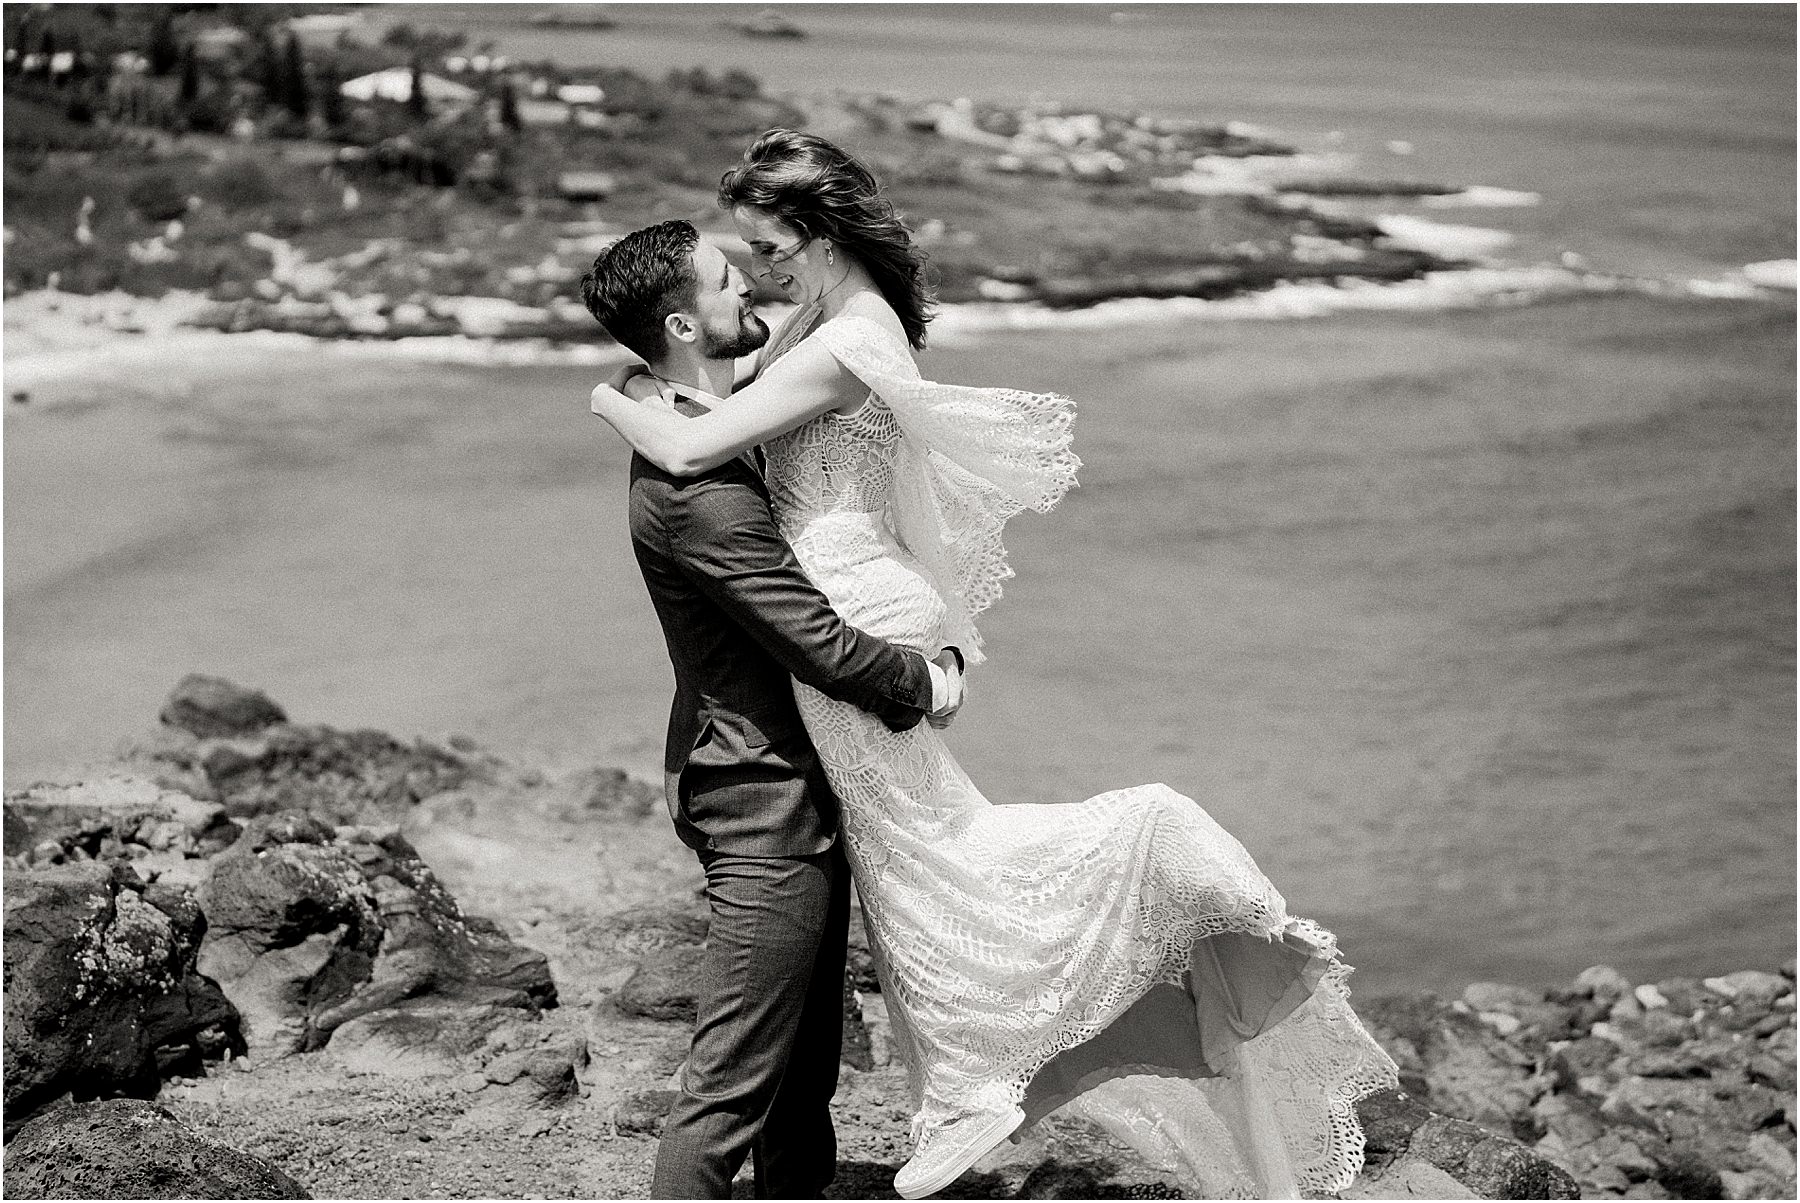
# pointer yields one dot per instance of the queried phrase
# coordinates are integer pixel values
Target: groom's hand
(635, 383)
(947, 690)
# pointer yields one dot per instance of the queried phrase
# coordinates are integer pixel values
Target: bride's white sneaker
(945, 1152)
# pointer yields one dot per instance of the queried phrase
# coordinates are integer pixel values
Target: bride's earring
(829, 260)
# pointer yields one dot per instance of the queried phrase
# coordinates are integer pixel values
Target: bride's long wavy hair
(822, 191)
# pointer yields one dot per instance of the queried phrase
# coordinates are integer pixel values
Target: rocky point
(266, 926)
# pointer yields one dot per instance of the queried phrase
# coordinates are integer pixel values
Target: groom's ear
(681, 327)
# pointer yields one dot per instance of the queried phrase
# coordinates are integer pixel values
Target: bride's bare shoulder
(871, 306)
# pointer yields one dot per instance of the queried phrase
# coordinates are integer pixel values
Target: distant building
(586, 185)
(480, 63)
(543, 112)
(581, 93)
(562, 104)
(318, 30)
(220, 42)
(396, 83)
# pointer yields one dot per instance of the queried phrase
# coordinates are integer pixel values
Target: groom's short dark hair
(638, 281)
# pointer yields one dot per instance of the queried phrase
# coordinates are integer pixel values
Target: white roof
(395, 83)
(580, 93)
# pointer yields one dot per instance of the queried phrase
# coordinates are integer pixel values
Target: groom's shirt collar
(689, 392)
(703, 401)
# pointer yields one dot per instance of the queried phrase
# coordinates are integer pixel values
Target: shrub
(210, 112)
(34, 125)
(932, 168)
(158, 196)
(240, 184)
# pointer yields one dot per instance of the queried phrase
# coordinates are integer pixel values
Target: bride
(1121, 958)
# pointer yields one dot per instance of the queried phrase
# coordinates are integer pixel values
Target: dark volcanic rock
(643, 1113)
(604, 792)
(549, 1070)
(213, 706)
(1584, 1058)
(553, 1070)
(347, 776)
(1451, 1061)
(665, 939)
(663, 986)
(125, 1149)
(1058, 1180)
(236, 746)
(1408, 1147)
(1491, 1166)
(313, 927)
(1389, 1119)
(1680, 1088)
(652, 927)
(103, 818)
(102, 993)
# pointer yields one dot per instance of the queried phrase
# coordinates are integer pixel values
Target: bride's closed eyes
(774, 254)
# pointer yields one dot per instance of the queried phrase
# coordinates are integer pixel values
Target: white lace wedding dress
(1122, 956)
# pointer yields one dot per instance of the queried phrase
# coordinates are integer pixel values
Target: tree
(415, 99)
(78, 61)
(164, 52)
(270, 73)
(293, 80)
(509, 107)
(190, 75)
(331, 96)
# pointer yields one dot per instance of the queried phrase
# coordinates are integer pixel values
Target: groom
(744, 784)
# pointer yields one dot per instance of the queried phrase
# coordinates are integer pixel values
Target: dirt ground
(550, 875)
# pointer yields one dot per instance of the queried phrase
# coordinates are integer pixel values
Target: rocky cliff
(267, 927)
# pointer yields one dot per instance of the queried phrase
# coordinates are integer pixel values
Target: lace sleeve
(970, 458)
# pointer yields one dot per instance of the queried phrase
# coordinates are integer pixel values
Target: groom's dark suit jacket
(740, 619)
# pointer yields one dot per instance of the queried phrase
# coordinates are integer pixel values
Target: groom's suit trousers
(764, 1061)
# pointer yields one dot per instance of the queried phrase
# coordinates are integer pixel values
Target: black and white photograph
(881, 600)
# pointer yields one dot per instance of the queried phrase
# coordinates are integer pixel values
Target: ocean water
(1475, 625)
(1477, 628)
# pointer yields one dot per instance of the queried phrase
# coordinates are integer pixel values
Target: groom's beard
(750, 335)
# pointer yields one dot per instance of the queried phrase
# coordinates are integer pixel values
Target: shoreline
(52, 335)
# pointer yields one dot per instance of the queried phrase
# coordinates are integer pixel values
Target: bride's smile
(806, 269)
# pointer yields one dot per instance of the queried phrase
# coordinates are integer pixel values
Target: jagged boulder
(127, 1149)
(1681, 1088)
(642, 1112)
(1492, 1166)
(663, 987)
(233, 745)
(120, 817)
(654, 926)
(313, 927)
(348, 776)
(602, 792)
(1453, 1061)
(212, 706)
(102, 990)
(1413, 1153)
(549, 1071)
